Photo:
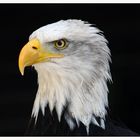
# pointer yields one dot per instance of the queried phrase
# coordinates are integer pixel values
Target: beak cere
(33, 53)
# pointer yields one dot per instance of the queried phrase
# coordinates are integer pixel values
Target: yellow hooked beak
(33, 53)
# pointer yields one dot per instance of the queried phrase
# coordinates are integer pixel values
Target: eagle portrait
(71, 58)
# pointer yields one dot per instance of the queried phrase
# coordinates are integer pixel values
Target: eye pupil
(59, 42)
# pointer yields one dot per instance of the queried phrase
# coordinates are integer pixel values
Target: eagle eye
(60, 44)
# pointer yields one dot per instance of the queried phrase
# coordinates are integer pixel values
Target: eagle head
(71, 58)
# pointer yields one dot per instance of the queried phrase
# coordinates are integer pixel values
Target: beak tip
(22, 73)
(21, 69)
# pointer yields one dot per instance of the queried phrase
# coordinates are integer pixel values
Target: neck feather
(86, 97)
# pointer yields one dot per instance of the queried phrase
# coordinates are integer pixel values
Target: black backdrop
(121, 26)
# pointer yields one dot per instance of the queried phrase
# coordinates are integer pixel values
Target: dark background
(121, 26)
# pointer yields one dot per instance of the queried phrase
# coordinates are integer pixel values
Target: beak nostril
(35, 48)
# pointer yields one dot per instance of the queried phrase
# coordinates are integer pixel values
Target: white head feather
(80, 78)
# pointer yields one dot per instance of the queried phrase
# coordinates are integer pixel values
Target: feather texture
(78, 80)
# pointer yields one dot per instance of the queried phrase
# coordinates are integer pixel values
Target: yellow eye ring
(60, 44)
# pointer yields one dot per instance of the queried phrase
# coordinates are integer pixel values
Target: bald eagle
(71, 58)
